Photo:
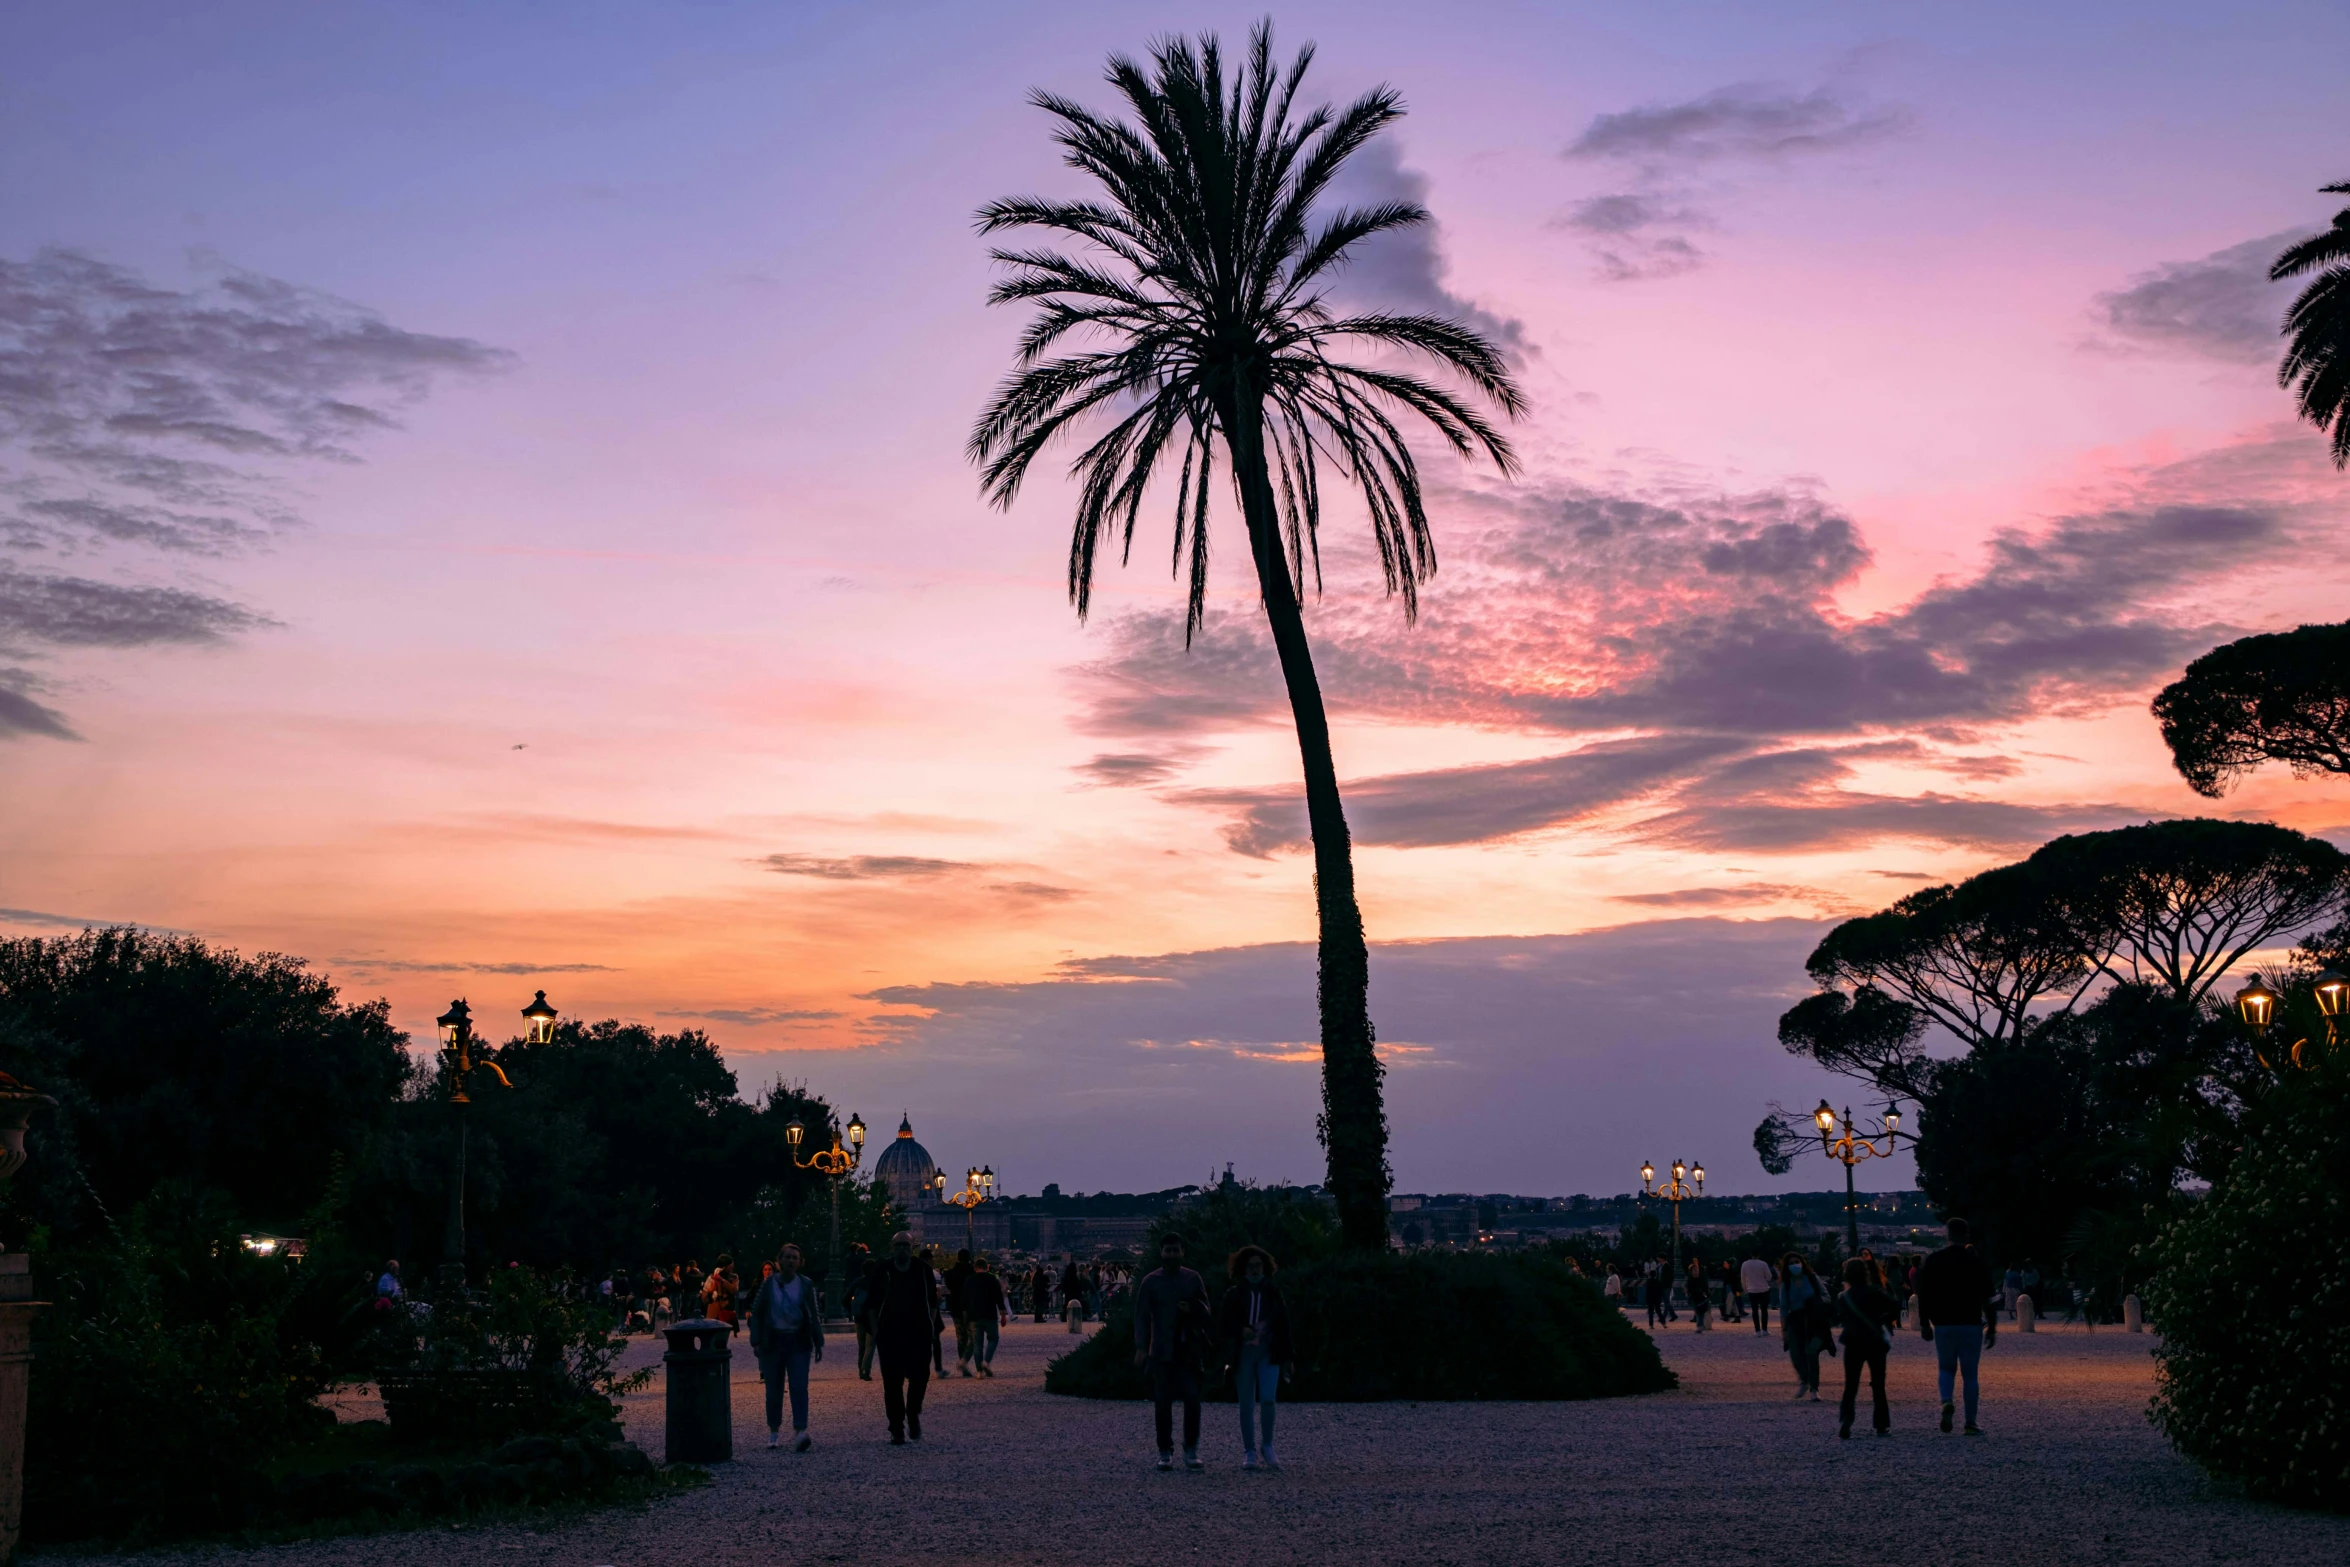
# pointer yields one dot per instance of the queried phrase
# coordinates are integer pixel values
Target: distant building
(910, 1176)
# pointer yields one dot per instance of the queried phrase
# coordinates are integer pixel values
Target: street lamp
(458, 1064)
(2256, 1005)
(1850, 1146)
(1676, 1191)
(831, 1163)
(541, 1019)
(978, 1187)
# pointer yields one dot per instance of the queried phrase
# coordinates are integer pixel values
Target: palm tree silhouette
(2318, 325)
(1203, 291)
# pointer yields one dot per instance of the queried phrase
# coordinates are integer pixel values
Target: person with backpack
(1866, 1314)
(1171, 1322)
(1253, 1322)
(1959, 1312)
(904, 1293)
(957, 1278)
(787, 1332)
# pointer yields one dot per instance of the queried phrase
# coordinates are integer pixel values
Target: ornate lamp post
(459, 1061)
(831, 1163)
(17, 1306)
(1676, 1191)
(1842, 1139)
(978, 1187)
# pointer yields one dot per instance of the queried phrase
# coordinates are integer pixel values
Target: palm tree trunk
(1353, 1123)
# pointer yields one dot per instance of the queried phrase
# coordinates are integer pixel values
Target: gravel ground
(1729, 1469)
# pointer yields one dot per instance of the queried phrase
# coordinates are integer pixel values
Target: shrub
(2253, 1304)
(528, 1353)
(162, 1383)
(1435, 1325)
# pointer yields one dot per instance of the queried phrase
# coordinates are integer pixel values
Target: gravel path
(1727, 1470)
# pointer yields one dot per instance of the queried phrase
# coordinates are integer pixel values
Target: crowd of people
(1950, 1295)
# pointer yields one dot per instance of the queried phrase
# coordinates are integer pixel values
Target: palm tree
(1203, 294)
(2319, 326)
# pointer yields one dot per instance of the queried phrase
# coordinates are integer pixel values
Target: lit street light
(1842, 1139)
(831, 1163)
(459, 1061)
(978, 1187)
(1676, 1191)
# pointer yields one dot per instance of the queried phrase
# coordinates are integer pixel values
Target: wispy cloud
(759, 1017)
(465, 966)
(861, 867)
(137, 417)
(2222, 306)
(1675, 153)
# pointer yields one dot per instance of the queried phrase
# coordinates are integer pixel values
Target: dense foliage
(2253, 1303)
(2280, 697)
(1426, 1325)
(2317, 327)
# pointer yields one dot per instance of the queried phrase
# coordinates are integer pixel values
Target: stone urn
(16, 1113)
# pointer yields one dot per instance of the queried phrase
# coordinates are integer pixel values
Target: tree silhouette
(2282, 697)
(1202, 288)
(2318, 328)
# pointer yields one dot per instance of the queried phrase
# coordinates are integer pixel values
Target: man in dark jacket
(959, 1309)
(1955, 1311)
(904, 1305)
(787, 1331)
(1170, 1330)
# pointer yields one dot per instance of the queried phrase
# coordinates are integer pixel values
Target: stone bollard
(700, 1368)
(2026, 1314)
(1909, 1312)
(2133, 1314)
(1075, 1312)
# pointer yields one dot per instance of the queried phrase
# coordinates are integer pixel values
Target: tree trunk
(1353, 1123)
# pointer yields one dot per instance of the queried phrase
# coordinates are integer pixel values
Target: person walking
(988, 1308)
(787, 1332)
(1613, 1289)
(1803, 1324)
(860, 1307)
(1755, 1278)
(1733, 1298)
(1170, 1326)
(938, 1321)
(958, 1277)
(904, 1293)
(1701, 1295)
(1254, 1322)
(1040, 1287)
(1654, 1287)
(1866, 1314)
(1959, 1313)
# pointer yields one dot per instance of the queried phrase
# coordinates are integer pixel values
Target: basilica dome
(906, 1169)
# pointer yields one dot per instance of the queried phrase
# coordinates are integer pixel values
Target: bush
(162, 1383)
(1435, 1325)
(526, 1354)
(2253, 1304)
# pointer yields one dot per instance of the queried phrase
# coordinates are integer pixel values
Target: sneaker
(1166, 1462)
(897, 1439)
(1844, 1433)
(1884, 1430)
(1801, 1391)
(1270, 1461)
(804, 1443)
(1974, 1431)
(775, 1439)
(1947, 1411)
(1248, 1460)
(913, 1428)
(1191, 1461)
(966, 1370)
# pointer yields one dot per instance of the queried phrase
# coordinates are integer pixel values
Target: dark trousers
(905, 1377)
(1855, 1357)
(1762, 1311)
(1170, 1381)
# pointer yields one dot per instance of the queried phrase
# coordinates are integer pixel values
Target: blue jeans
(1959, 1351)
(1258, 1380)
(985, 1335)
(777, 1367)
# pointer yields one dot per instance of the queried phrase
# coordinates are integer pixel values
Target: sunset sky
(484, 507)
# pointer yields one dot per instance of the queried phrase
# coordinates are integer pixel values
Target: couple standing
(1172, 1334)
